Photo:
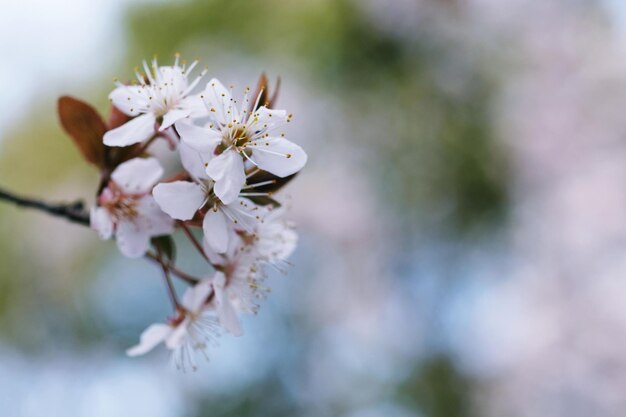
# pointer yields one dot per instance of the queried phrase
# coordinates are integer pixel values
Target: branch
(74, 212)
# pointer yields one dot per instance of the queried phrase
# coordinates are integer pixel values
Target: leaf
(262, 200)
(165, 247)
(85, 126)
(116, 118)
(262, 91)
(276, 182)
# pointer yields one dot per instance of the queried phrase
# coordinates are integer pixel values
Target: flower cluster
(234, 157)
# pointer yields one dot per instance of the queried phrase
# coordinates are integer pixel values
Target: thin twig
(193, 240)
(74, 212)
(171, 292)
(190, 279)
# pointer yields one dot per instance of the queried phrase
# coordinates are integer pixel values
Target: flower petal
(220, 103)
(196, 106)
(193, 161)
(173, 116)
(280, 157)
(195, 297)
(177, 337)
(134, 131)
(269, 117)
(129, 99)
(100, 221)
(225, 310)
(202, 139)
(152, 336)
(228, 172)
(132, 240)
(151, 219)
(216, 230)
(138, 175)
(179, 199)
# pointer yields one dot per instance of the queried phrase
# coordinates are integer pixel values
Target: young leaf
(166, 247)
(262, 200)
(85, 126)
(262, 91)
(274, 183)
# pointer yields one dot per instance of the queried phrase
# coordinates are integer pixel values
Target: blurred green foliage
(437, 159)
(430, 148)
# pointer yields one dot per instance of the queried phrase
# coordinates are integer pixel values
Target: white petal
(151, 219)
(243, 214)
(173, 116)
(193, 161)
(228, 172)
(194, 298)
(179, 199)
(214, 257)
(150, 337)
(281, 157)
(174, 77)
(225, 310)
(220, 103)
(177, 337)
(132, 240)
(137, 175)
(101, 222)
(202, 139)
(137, 130)
(271, 118)
(195, 105)
(127, 98)
(215, 228)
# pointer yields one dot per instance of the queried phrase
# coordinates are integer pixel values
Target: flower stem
(190, 279)
(193, 240)
(171, 292)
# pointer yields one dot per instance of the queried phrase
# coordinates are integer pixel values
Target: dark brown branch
(74, 212)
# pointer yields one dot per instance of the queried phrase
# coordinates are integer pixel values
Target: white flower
(162, 97)
(275, 240)
(235, 135)
(127, 210)
(239, 284)
(182, 199)
(187, 334)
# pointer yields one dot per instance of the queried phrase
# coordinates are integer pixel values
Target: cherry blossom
(188, 333)
(127, 210)
(183, 199)
(162, 97)
(236, 135)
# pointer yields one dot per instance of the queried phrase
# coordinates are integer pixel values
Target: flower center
(118, 204)
(237, 136)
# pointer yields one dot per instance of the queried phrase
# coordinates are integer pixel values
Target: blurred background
(462, 217)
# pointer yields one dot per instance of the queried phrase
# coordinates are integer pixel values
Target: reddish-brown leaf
(116, 118)
(85, 126)
(262, 91)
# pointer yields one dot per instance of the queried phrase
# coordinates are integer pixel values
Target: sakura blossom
(220, 189)
(187, 334)
(127, 210)
(241, 285)
(182, 199)
(240, 134)
(161, 97)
